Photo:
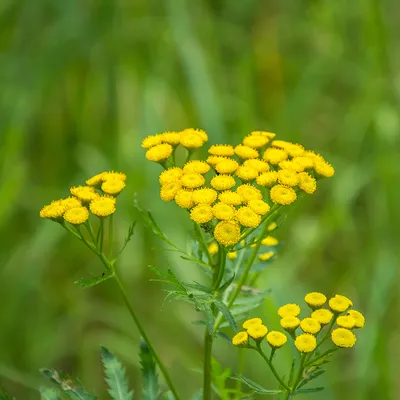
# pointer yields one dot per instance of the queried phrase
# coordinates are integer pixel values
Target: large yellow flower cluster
(231, 191)
(99, 196)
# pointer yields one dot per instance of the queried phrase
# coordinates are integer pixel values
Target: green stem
(110, 235)
(90, 230)
(299, 374)
(203, 244)
(240, 368)
(208, 341)
(319, 357)
(327, 332)
(221, 268)
(101, 235)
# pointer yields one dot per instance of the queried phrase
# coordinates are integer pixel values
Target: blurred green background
(82, 82)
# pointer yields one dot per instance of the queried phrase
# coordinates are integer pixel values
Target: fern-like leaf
(149, 374)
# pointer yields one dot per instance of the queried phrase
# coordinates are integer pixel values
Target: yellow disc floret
(192, 180)
(282, 195)
(358, 317)
(55, 210)
(245, 152)
(289, 310)
(113, 186)
(204, 196)
(276, 339)
(184, 198)
(342, 337)
(240, 339)
(172, 138)
(346, 321)
(213, 248)
(247, 217)
(315, 300)
(227, 233)
(190, 140)
(257, 332)
(251, 323)
(266, 256)
(232, 255)
(231, 198)
(307, 183)
(226, 165)
(246, 173)
(339, 303)
(310, 325)
(114, 175)
(71, 202)
(323, 316)
(275, 156)
(255, 141)
(270, 241)
(159, 153)
(169, 191)
(305, 162)
(305, 343)
(269, 135)
(324, 169)
(170, 175)
(84, 193)
(201, 214)
(223, 211)
(222, 182)
(290, 323)
(224, 150)
(103, 206)
(248, 192)
(258, 165)
(196, 166)
(260, 207)
(95, 180)
(76, 215)
(288, 177)
(151, 141)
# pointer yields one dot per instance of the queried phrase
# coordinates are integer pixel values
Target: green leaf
(255, 386)
(311, 390)
(291, 375)
(150, 380)
(226, 284)
(47, 394)
(94, 280)
(72, 388)
(310, 375)
(197, 286)
(131, 230)
(209, 318)
(227, 314)
(115, 377)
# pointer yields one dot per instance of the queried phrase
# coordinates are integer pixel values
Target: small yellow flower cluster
(98, 196)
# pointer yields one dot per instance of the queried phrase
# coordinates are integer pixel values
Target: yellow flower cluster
(99, 196)
(231, 190)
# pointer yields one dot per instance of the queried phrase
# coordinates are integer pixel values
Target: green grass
(82, 82)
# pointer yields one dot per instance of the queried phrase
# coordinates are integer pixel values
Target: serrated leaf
(227, 314)
(150, 388)
(255, 386)
(310, 390)
(115, 377)
(47, 394)
(128, 238)
(94, 280)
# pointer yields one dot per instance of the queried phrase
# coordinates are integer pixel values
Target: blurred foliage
(82, 82)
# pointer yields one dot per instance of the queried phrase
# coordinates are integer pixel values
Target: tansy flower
(257, 332)
(232, 255)
(103, 206)
(223, 211)
(307, 183)
(258, 165)
(324, 169)
(270, 241)
(295, 150)
(231, 198)
(269, 135)
(214, 160)
(54, 210)
(196, 166)
(246, 173)
(310, 325)
(289, 310)
(248, 192)
(71, 202)
(347, 322)
(192, 180)
(358, 317)
(305, 162)
(276, 339)
(322, 316)
(204, 196)
(240, 339)
(159, 153)
(213, 248)
(247, 217)
(227, 233)
(223, 182)
(275, 156)
(84, 193)
(151, 141)
(199, 132)
(267, 178)
(251, 323)
(172, 138)
(224, 150)
(343, 337)
(296, 167)
(191, 140)
(255, 141)
(184, 198)
(76, 215)
(168, 191)
(245, 152)
(170, 175)
(266, 256)
(315, 300)
(113, 186)
(282, 144)
(288, 177)
(282, 195)
(272, 226)
(114, 175)
(201, 214)
(290, 323)
(260, 207)
(305, 343)
(339, 303)
(95, 180)
(226, 166)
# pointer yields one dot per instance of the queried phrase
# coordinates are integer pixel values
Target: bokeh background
(83, 82)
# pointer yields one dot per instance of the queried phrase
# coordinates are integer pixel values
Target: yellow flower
(232, 255)
(322, 316)
(282, 195)
(269, 135)
(226, 165)
(95, 180)
(342, 337)
(114, 175)
(310, 325)
(275, 156)
(257, 332)
(346, 321)
(358, 317)
(192, 180)
(315, 300)
(246, 173)
(213, 248)
(76, 215)
(184, 198)
(339, 303)
(222, 182)
(214, 160)
(290, 323)
(289, 310)
(172, 138)
(224, 150)
(272, 226)
(307, 183)
(276, 339)
(201, 214)
(269, 241)
(259, 206)
(159, 153)
(199, 132)
(247, 217)
(258, 165)
(266, 256)
(252, 322)
(267, 178)
(305, 343)
(240, 339)
(196, 166)
(295, 150)
(168, 191)
(204, 196)
(255, 141)
(170, 175)
(190, 139)
(103, 206)
(245, 152)
(288, 177)
(113, 186)
(296, 167)
(248, 192)
(324, 169)
(282, 144)
(223, 211)
(71, 202)
(84, 193)
(231, 198)
(55, 210)
(151, 141)
(227, 233)
(305, 162)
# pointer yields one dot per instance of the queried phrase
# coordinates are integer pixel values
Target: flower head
(246, 173)
(113, 186)
(231, 198)
(247, 217)
(76, 215)
(257, 332)
(151, 141)
(201, 214)
(226, 165)
(204, 196)
(196, 166)
(324, 169)
(55, 210)
(114, 175)
(267, 178)
(222, 182)
(84, 193)
(255, 141)
(288, 177)
(260, 207)
(252, 322)
(322, 316)
(305, 343)
(339, 303)
(240, 339)
(71, 202)
(281, 144)
(232, 255)
(214, 160)
(315, 300)
(289, 310)
(307, 183)
(346, 321)
(295, 150)
(290, 323)
(258, 165)
(358, 317)
(95, 180)
(293, 166)
(172, 138)
(184, 198)
(224, 150)
(192, 180)
(248, 192)
(103, 206)
(266, 256)
(213, 248)
(245, 152)
(168, 191)
(272, 226)
(276, 339)
(270, 241)
(190, 139)
(170, 175)
(269, 135)
(282, 195)
(274, 156)
(159, 153)
(227, 233)
(223, 211)
(343, 337)
(199, 132)
(310, 325)
(305, 162)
